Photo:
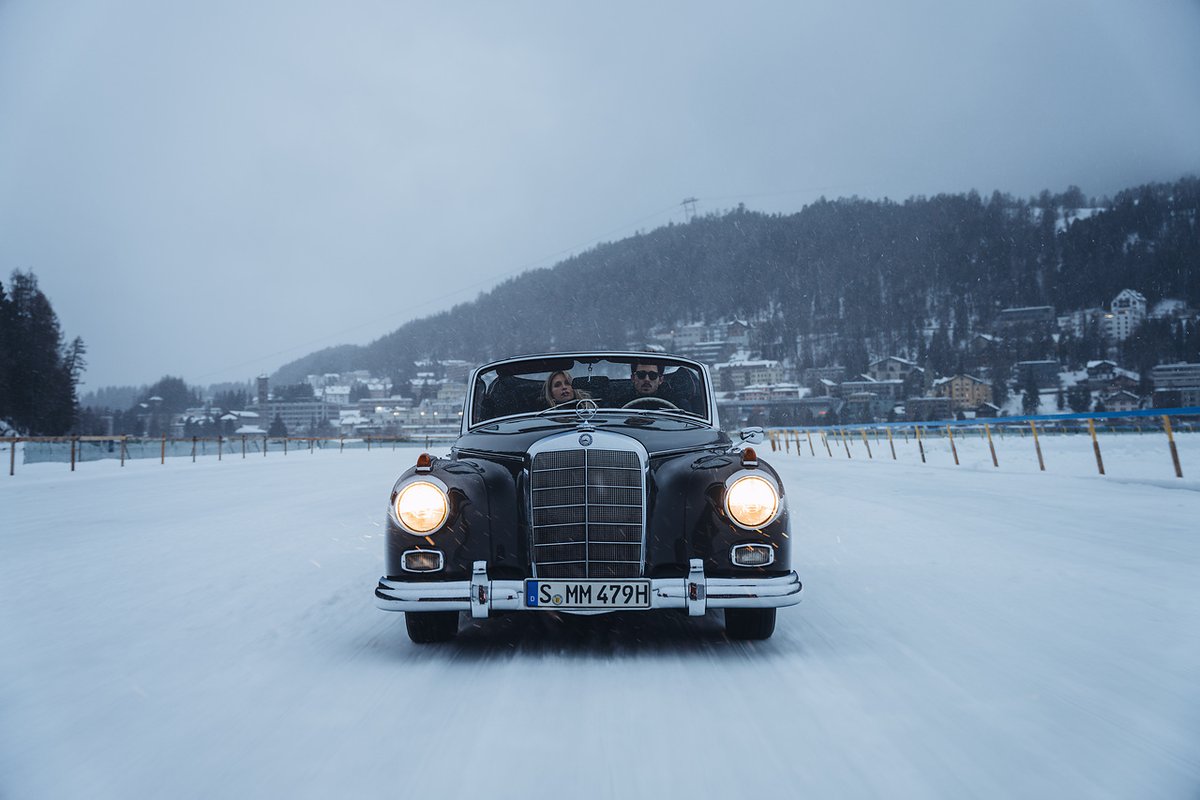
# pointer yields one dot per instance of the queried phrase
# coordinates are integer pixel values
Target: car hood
(657, 434)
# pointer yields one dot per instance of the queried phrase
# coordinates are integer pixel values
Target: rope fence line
(1038, 427)
(73, 449)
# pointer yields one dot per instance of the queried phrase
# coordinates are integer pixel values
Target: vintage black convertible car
(624, 496)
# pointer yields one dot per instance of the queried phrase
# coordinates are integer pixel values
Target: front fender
(687, 519)
(483, 522)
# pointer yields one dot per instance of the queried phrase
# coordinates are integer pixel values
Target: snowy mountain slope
(207, 630)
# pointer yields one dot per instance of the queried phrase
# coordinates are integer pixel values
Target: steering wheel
(651, 400)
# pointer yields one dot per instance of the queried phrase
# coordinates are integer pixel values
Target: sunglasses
(642, 375)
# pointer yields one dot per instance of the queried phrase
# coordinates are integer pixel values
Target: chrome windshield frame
(469, 424)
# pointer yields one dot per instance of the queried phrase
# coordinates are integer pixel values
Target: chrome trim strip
(697, 591)
(665, 593)
(702, 370)
(481, 590)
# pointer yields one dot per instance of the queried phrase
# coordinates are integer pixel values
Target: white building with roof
(1126, 313)
(338, 394)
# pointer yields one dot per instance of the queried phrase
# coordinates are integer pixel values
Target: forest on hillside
(876, 275)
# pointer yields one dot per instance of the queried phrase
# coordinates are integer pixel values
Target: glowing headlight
(421, 507)
(751, 501)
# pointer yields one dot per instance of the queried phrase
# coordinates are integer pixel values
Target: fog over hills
(871, 276)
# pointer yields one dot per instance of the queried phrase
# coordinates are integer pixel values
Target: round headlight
(751, 501)
(422, 507)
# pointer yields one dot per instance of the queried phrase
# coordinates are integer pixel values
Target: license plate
(587, 594)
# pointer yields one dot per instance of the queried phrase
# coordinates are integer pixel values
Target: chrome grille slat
(577, 494)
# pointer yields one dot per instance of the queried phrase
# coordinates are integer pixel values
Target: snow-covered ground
(207, 630)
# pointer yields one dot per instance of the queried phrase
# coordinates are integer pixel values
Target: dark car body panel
(689, 464)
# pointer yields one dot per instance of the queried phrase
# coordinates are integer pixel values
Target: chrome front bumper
(696, 593)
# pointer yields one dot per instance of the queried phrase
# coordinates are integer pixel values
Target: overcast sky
(213, 189)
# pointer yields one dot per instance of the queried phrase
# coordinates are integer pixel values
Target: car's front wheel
(749, 623)
(426, 627)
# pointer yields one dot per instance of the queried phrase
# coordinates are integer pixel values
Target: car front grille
(587, 514)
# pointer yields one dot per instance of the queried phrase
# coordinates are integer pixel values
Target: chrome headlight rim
(766, 478)
(430, 480)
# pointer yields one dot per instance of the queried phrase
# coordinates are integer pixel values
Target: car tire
(749, 623)
(427, 627)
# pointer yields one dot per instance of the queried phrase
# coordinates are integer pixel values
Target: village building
(1107, 376)
(964, 391)
(1126, 313)
(923, 409)
(1045, 373)
(1121, 401)
(1026, 321)
(892, 368)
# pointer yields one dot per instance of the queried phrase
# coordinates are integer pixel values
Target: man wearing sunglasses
(647, 379)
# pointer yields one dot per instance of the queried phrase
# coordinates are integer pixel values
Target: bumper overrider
(695, 593)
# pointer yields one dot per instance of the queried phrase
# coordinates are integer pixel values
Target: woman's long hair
(548, 395)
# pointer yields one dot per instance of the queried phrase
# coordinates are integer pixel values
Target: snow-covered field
(207, 630)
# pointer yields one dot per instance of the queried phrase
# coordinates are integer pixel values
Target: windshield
(536, 386)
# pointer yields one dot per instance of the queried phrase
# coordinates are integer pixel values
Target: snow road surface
(208, 630)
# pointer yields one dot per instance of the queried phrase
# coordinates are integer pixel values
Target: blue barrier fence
(81, 449)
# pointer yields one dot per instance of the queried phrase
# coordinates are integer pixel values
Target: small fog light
(422, 560)
(753, 555)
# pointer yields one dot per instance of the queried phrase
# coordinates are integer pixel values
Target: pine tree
(41, 392)
(1030, 394)
(1079, 398)
(6, 355)
(277, 427)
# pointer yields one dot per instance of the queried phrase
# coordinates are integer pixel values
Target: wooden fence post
(162, 454)
(825, 439)
(193, 449)
(920, 444)
(845, 441)
(1096, 446)
(1037, 444)
(953, 449)
(72, 454)
(341, 444)
(122, 451)
(987, 430)
(285, 441)
(243, 445)
(1171, 441)
(810, 445)
(12, 456)
(891, 444)
(865, 442)
(219, 447)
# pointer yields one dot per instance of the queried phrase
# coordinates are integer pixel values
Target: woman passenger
(559, 389)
